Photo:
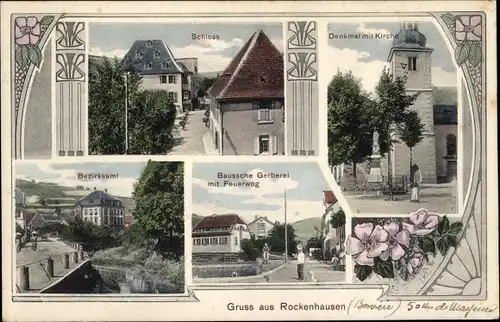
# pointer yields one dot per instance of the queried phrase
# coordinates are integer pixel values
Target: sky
(304, 191)
(366, 58)
(66, 174)
(115, 39)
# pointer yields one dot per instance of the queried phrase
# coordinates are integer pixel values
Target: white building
(154, 61)
(260, 227)
(101, 208)
(219, 234)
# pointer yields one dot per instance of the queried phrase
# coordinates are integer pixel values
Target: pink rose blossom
(416, 263)
(468, 28)
(421, 223)
(27, 30)
(369, 243)
(396, 239)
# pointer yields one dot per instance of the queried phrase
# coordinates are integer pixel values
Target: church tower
(409, 56)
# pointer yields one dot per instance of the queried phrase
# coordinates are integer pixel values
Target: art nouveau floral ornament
(27, 33)
(400, 247)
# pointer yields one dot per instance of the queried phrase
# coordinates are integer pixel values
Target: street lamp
(126, 111)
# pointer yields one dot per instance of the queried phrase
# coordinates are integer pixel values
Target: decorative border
(472, 241)
(302, 101)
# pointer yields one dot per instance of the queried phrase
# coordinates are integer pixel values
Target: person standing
(301, 258)
(265, 252)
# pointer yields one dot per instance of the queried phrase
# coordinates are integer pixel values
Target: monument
(375, 176)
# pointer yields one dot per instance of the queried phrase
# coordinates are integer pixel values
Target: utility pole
(286, 234)
(126, 113)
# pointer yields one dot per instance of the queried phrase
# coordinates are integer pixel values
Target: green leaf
(452, 240)
(456, 228)
(403, 273)
(462, 52)
(34, 55)
(22, 56)
(442, 245)
(362, 272)
(47, 20)
(475, 54)
(384, 268)
(444, 225)
(427, 245)
(448, 18)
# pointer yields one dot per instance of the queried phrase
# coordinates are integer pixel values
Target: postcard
(249, 161)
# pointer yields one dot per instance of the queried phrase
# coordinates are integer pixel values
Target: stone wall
(211, 271)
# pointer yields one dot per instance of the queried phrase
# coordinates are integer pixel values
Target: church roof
(98, 198)
(255, 72)
(409, 37)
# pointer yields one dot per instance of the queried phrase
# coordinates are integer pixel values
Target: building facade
(333, 236)
(21, 208)
(260, 228)
(247, 101)
(159, 69)
(219, 234)
(102, 209)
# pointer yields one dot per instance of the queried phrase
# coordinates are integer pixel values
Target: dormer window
(156, 54)
(262, 79)
(138, 55)
(148, 66)
(164, 65)
(149, 44)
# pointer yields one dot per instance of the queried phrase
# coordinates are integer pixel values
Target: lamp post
(126, 111)
(286, 233)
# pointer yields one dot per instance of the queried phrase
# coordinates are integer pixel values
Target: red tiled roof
(255, 72)
(329, 197)
(219, 221)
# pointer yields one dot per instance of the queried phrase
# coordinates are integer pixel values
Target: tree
(205, 84)
(411, 133)
(249, 249)
(338, 219)
(106, 110)
(349, 121)
(159, 199)
(152, 119)
(277, 239)
(392, 107)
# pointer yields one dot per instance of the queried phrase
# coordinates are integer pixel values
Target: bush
(249, 249)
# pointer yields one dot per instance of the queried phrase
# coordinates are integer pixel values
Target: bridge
(52, 260)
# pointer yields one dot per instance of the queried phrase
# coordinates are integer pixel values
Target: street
(190, 140)
(36, 261)
(439, 198)
(288, 274)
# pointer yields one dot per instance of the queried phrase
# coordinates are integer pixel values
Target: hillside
(196, 219)
(304, 229)
(208, 75)
(59, 196)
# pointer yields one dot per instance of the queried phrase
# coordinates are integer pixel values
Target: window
(283, 112)
(164, 65)
(19, 213)
(196, 69)
(205, 241)
(149, 44)
(173, 96)
(451, 145)
(148, 66)
(138, 55)
(171, 79)
(186, 95)
(214, 241)
(236, 241)
(223, 241)
(156, 54)
(412, 63)
(261, 229)
(263, 112)
(163, 79)
(263, 144)
(184, 80)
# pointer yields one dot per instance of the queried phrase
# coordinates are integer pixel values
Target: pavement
(190, 140)
(287, 273)
(440, 198)
(36, 261)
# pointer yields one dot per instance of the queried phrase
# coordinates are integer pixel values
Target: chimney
(256, 217)
(105, 190)
(95, 188)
